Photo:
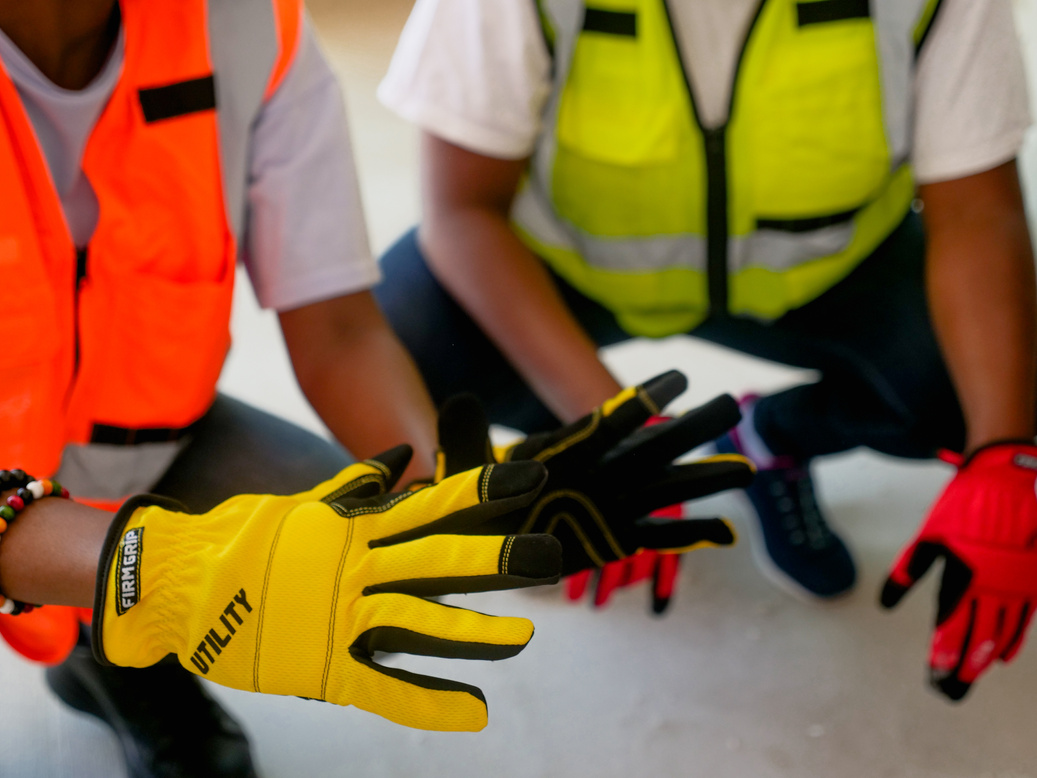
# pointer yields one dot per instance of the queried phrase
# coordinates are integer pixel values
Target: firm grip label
(127, 570)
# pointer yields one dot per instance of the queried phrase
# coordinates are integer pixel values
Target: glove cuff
(109, 557)
(1029, 443)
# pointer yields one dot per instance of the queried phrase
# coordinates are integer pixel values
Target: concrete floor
(738, 681)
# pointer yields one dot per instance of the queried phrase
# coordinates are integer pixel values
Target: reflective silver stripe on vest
(645, 254)
(564, 15)
(776, 250)
(617, 254)
(897, 57)
(243, 47)
(97, 471)
(770, 249)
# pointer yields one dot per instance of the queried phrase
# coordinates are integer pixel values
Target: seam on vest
(287, 15)
(547, 31)
(925, 24)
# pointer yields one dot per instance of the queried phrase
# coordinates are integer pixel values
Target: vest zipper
(715, 142)
(81, 262)
(716, 218)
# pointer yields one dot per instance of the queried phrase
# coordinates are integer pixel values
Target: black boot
(167, 725)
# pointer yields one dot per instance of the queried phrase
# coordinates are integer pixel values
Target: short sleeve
(972, 107)
(473, 72)
(305, 237)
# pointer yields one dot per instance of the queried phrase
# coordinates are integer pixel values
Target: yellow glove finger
(401, 624)
(456, 505)
(455, 564)
(398, 623)
(381, 472)
(414, 700)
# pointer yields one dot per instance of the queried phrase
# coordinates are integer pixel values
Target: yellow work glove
(293, 595)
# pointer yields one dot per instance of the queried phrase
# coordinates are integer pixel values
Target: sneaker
(167, 725)
(791, 542)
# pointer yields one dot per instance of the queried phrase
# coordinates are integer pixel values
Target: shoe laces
(801, 519)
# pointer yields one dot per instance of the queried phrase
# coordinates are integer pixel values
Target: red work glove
(661, 568)
(984, 525)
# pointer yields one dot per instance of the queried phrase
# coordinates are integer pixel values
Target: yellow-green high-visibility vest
(665, 222)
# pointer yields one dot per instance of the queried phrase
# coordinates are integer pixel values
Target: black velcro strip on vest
(610, 22)
(831, 11)
(806, 225)
(168, 102)
(122, 436)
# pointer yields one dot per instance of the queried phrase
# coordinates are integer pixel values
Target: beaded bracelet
(27, 490)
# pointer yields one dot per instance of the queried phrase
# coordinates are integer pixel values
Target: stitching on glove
(736, 458)
(506, 554)
(262, 600)
(484, 483)
(352, 514)
(351, 526)
(355, 484)
(588, 547)
(576, 437)
(648, 401)
(586, 503)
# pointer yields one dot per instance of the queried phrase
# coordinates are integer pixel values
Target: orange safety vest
(133, 335)
(129, 336)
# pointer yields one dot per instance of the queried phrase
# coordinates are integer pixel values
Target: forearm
(49, 554)
(472, 250)
(361, 381)
(982, 298)
(515, 302)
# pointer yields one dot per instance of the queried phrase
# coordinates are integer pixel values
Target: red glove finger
(626, 572)
(911, 564)
(969, 648)
(576, 584)
(1015, 641)
(968, 643)
(665, 582)
(1010, 616)
(948, 640)
(610, 578)
(641, 568)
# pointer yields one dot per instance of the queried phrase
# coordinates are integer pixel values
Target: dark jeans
(883, 381)
(238, 449)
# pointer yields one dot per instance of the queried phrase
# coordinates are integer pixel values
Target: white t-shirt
(306, 240)
(477, 73)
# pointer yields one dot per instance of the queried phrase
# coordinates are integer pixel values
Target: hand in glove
(293, 595)
(661, 569)
(605, 475)
(984, 525)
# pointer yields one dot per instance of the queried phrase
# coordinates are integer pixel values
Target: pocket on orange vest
(166, 348)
